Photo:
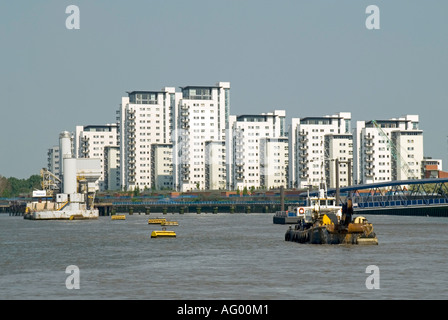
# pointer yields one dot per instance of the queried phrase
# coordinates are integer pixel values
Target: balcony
(369, 174)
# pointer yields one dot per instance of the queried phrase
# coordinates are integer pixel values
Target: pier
(214, 207)
(13, 208)
(424, 197)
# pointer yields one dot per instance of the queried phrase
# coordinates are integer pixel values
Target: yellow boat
(170, 223)
(163, 234)
(118, 217)
(156, 220)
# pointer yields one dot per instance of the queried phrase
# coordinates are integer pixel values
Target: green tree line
(13, 187)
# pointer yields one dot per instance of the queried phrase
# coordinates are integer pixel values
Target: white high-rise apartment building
(215, 165)
(112, 181)
(54, 161)
(340, 147)
(250, 137)
(145, 118)
(394, 152)
(162, 166)
(273, 162)
(307, 154)
(202, 116)
(90, 142)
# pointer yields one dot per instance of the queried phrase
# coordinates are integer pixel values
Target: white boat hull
(63, 215)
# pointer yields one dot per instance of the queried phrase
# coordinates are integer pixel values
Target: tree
(13, 187)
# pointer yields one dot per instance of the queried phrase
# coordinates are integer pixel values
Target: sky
(310, 58)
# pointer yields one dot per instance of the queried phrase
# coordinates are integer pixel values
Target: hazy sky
(311, 58)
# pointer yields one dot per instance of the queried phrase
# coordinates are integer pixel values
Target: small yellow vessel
(156, 220)
(163, 234)
(170, 223)
(118, 217)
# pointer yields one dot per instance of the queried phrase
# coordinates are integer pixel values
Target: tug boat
(327, 228)
(321, 205)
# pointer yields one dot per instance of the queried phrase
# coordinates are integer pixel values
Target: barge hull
(320, 235)
(62, 215)
(286, 220)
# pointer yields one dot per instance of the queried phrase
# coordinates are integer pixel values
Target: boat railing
(281, 214)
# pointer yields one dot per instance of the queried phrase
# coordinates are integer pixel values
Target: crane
(403, 164)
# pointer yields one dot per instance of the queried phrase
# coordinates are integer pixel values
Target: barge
(71, 195)
(328, 228)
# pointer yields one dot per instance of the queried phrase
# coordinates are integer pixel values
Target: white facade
(145, 118)
(202, 115)
(338, 146)
(246, 134)
(273, 162)
(162, 166)
(53, 160)
(307, 147)
(215, 165)
(111, 168)
(394, 152)
(90, 142)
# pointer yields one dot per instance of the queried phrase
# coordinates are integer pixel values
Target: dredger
(317, 228)
(70, 196)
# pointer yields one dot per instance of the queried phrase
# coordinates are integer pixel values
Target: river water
(218, 256)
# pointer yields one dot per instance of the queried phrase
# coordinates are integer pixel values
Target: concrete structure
(77, 191)
(307, 156)
(388, 150)
(244, 152)
(202, 115)
(90, 141)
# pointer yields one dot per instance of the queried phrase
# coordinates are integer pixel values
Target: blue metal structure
(403, 193)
